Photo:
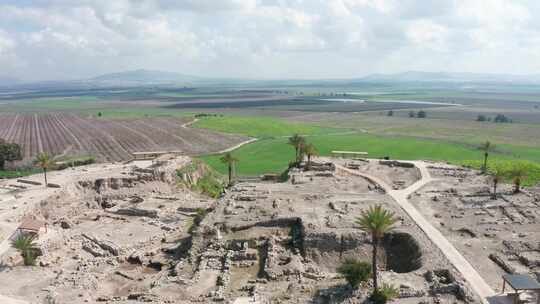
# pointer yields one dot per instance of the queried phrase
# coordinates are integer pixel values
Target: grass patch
(274, 155)
(119, 113)
(260, 127)
(532, 168)
(5, 174)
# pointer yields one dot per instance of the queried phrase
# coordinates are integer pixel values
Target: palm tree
(44, 161)
(230, 160)
(310, 151)
(497, 176)
(377, 221)
(297, 141)
(24, 243)
(518, 174)
(486, 148)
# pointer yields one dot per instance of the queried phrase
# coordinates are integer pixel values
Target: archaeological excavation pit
(403, 253)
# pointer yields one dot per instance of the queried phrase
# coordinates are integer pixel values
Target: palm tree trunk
(517, 187)
(230, 174)
(374, 263)
(484, 168)
(45, 175)
(494, 189)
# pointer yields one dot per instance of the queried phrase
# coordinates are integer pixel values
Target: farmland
(107, 139)
(347, 117)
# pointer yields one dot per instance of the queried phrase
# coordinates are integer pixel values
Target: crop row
(69, 134)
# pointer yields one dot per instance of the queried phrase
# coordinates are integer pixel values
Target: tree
(99, 114)
(518, 173)
(421, 114)
(355, 272)
(297, 141)
(412, 114)
(390, 113)
(230, 160)
(501, 118)
(9, 152)
(481, 118)
(24, 243)
(376, 221)
(309, 150)
(44, 161)
(486, 148)
(497, 175)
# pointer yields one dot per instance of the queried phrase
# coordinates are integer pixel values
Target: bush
(24, 243)
(75, 163)
(355, 272)
(209, 185)
(384, 294)
(284, 176)
(481, 118)
(501, 118)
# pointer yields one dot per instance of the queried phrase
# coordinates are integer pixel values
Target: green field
(272, 154)
(260, 127)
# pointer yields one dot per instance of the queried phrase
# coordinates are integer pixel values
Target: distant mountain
(415, 76)
(144, 77)
(8, 81)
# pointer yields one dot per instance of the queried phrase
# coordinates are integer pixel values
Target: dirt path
(468, 272)
(237, 146)
(189, 123)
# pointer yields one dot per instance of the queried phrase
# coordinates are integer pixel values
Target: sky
(263, 39)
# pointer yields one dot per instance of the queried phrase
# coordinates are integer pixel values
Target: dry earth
(126, 234)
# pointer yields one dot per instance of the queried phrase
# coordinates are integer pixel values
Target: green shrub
(355, 272)
(531, 169)
(75, 163)
(209, 185)
(284, 176)
(384, 294)
(24, 243)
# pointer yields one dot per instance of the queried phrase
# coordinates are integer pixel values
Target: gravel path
(476, 282)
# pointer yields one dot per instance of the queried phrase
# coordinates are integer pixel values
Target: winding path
(476, 282)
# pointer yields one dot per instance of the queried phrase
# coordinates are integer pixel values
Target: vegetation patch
(274, 155)
(4, 174)
(355, 272)
(531, 169)
(201, 178)
(260, 127)
(74, 162)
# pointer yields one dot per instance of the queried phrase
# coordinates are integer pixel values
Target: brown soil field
(107, 139)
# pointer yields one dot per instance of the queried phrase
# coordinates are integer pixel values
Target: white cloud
(428, 34)
(6, 43)
(268, 38)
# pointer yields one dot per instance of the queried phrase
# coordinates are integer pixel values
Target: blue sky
(70, 39)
